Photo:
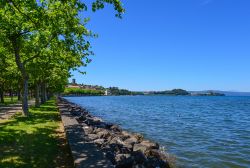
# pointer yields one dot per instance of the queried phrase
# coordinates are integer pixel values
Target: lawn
(35, 141)
(7, 101)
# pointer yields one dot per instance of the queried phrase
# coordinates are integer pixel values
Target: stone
(131, 141)
(108, 125)
(140, 147)
(88, 129)
(154, 162)
(139, 137)
(115, 128)
(126, 134)
(98, 130)
(150, 145)
(93, 136)
(99, 142)
(128, 146)
(94, 121)
(82, 118)
(139, 157)
(124, 160)
(115, 148)
(111, 156)
(116, 140)
(103, 134)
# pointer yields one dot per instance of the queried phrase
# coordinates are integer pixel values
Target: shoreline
(122, 148)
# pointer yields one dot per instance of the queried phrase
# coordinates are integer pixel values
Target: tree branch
(15, 6)
(38, 54)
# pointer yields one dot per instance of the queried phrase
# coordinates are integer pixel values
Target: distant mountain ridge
(227, 93)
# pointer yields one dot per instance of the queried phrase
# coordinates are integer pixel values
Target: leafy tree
(36, 32)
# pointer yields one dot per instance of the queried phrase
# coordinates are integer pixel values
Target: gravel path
(7, 111)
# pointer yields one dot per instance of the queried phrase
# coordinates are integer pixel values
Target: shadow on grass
(31, 141)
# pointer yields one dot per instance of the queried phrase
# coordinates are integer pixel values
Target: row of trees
(80, 92)
(41, 41)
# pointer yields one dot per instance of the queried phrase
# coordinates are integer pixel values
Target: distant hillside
(227, 93)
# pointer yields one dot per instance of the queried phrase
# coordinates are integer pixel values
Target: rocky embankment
(122, 148)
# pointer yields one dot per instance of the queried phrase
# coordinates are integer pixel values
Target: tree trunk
(25, 105)
(43, 99)
(45, 92)
(11, 94)
(18, 93)
(37, 102)
(25, 77)
(1, 94)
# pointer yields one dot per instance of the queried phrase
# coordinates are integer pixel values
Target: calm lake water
(201, 132)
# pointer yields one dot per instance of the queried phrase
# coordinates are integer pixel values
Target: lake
(207, 132)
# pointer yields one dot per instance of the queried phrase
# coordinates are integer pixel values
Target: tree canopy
(41, 41)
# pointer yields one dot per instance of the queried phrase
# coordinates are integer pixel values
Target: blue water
(201, 132)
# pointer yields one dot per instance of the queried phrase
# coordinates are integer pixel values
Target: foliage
(79, 91)
(9, 100)
(175, 92)
(117, 91)
(43, 41)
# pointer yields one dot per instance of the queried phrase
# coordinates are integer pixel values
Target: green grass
(33, 141)
(7, 101)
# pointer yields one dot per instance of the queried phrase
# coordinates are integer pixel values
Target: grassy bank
(8, 100)
(36, 141)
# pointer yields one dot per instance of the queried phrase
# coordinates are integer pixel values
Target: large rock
(103, 134)
(131, 140)
(126, 134)
(140, 147)
(139, 137)
(139, 157)
(124, 160)
(115, 128)
(145, 145)
(116, 140)
(92, 137)
(150, 145)
(88, 129)
(99, 142)
(154, 162)
(82, 118)
(94, 121)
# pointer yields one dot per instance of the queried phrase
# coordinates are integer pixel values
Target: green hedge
(78, 91)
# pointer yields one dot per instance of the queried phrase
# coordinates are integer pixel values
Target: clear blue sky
(166, 44)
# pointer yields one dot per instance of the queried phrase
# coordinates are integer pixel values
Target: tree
(33, 30)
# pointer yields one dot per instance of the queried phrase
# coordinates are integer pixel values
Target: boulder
(88, 129)
(126, 134)
(124, 160)
(99, 142)
(150, 145)
(116, 140)
(140, 147)
(108, 125)
(103, 134)
(131, 140)
(92, 137)
(94, 121)
(82, 118)
(110, 155)
(139, 137)
(139, 157)
(154, 162)
(115, 128)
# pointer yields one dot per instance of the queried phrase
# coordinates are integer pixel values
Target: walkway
(85, 154)
(7, 111)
